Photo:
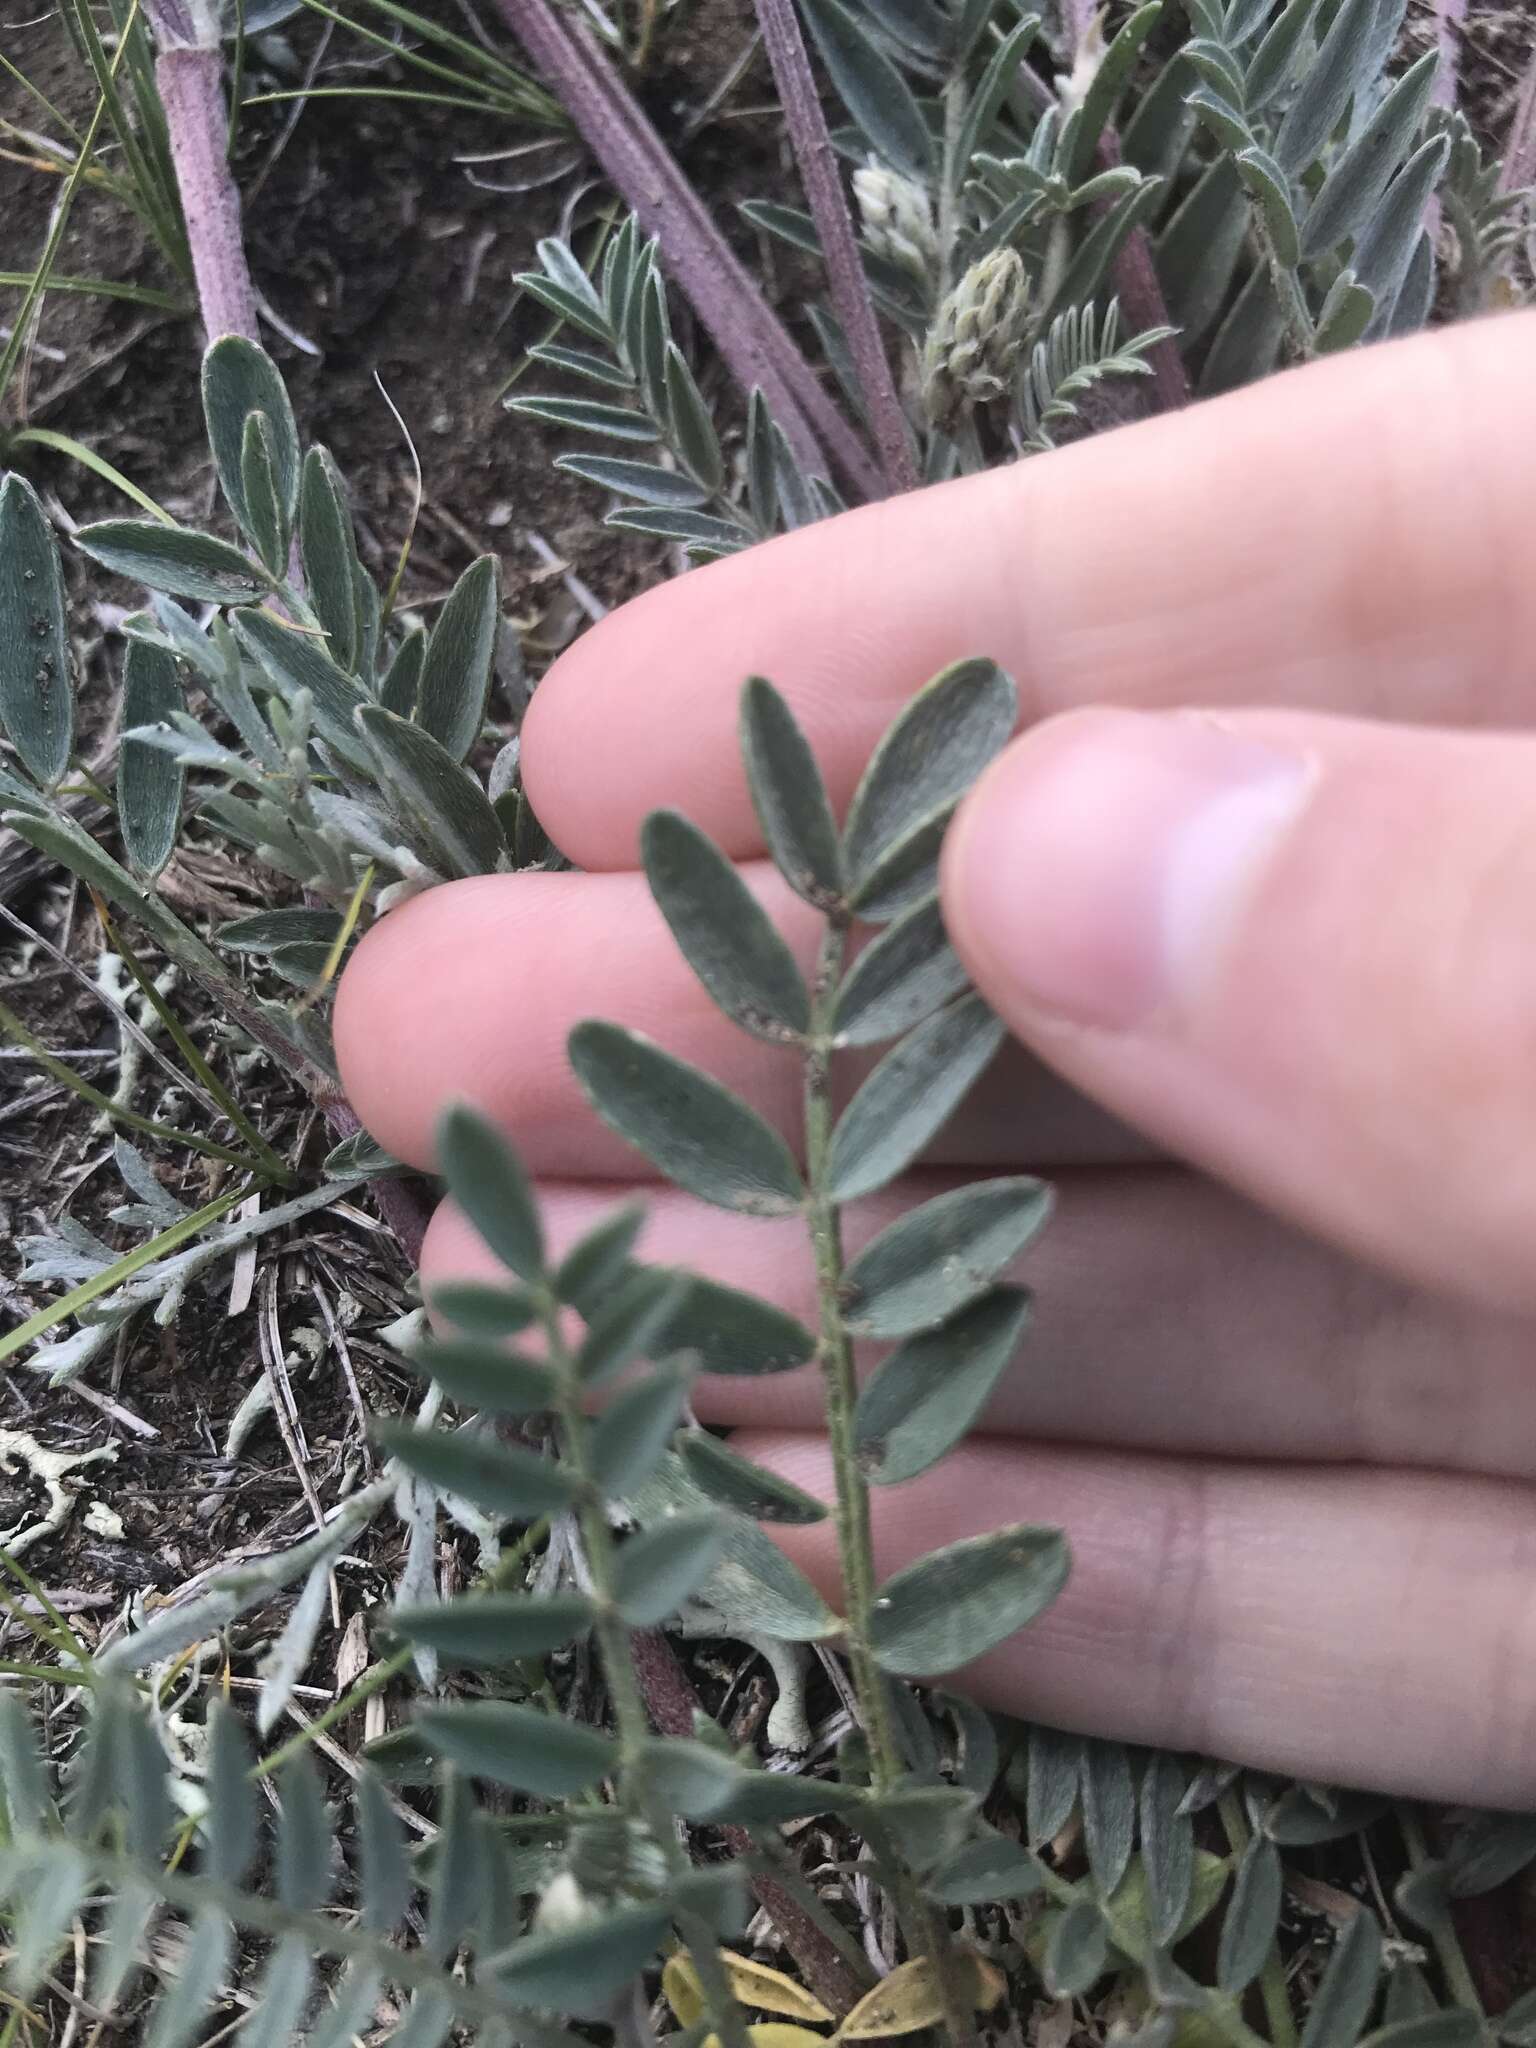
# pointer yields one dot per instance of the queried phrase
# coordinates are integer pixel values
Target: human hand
(1285, 939)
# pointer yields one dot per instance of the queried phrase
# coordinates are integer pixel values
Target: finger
(1291, 544)
(1139, 1336)
(1293, 949)
(469, 993)
(1244, 1611)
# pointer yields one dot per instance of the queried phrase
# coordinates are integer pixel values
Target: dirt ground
(393, 261)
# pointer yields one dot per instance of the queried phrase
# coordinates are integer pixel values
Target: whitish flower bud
(897, 218)
(974, 342)
(565, 1906)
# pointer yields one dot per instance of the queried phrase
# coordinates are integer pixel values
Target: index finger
(1348, 537)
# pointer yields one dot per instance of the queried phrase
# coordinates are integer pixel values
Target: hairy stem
(614, 1646)
(926, 1931)
(849, 287)
(748, 333)
(191, 86)
(1301, 334)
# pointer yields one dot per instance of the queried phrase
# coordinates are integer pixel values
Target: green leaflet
(633, 1322)
(931, 755)
(700, 1135)
(264, 517)
(481, 1311)
(1328, 85)
(1167, 1847)
(501, 1479)
(735, 1482)
(303, 1860)
(171, 559)
(37, 706)
(722, 931)
(495, 1628)
(789, 796)
(871, 87)
(455, 684)
(490, 1184)
(520, 1747)
(928, 1393)
(1343, 2000)
(942, 1255)
(898, 979)
(232, 1828)
(951, 1606)
(1078, 1950)
(201, 1971)
(434, 798)
(627, 1441)
(593, 1265)
(579, 1971)
(734, 1333)
(910, 1096)
(384, 1866)
(328, 551)
(1109, 1812)
(149, 780)
(986, 1870)
(483, 1375)
(1251, 1917)
(240, 378)
(656, 1571)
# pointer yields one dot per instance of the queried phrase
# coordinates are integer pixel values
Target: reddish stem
(747, 332)
(191, 82)
(849, 287)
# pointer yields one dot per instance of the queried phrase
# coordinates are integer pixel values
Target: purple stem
(1449, 18)
(845, 271)
(1141, 296)
(1520, 149)
(747, 332)
(191, 82)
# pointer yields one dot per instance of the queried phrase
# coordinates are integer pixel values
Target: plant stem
(849, 287)
(1298, 321)
(190, 80)
(926, 1931)
(1272, 1987)
(748, 333)
(1443, 1935)
(634, 1732)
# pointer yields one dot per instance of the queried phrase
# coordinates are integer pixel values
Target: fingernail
(1100, 867)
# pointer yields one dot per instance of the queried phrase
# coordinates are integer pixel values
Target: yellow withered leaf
(776, 2034)
(909, 1999)
(754, 1984)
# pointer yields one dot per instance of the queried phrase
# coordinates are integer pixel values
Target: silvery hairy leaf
(384, 1866)
(941, 1255)
(693, 529)
(149, 780)
(1354, 186)
(632, 1322)
(434, 798)
(898, 979)
(524, 1748)
(303, 1850)
(201, 1971)
(1109, 1812)
(1167, 1847)
(910, 1096)
(402, 679)
(1343, 1999)
(595, 1262)
(927, 760)
(1345, 315)
(1108, 81)
(697, 1133)
(1386, 247)
(871, 87)
(1251, 1917)
(479, 1310)
(328, 551)
(284, 1665)
(264, 521)
(490, 1184)
(23, 1780)
(627, 1441)
(693, 430)
(37, 705)
(281, 1994)
(502, 1479)
(993, 1868)
(240, 378)
(495, 1628)
(987, 100)
(171, 559)
(647, 481)
(1053, 1769)
(589, 416)
(231, 1828)
(1247, 343)
(956, 1603)
(1269, 68)
(580, 1971)
(656, 1571)
(1077, 1951)
(292, 662)
(1266, 183)
(722, 930)
(455, 684)
(1328, 84)
(483, 1375)
(789, 796)
(735, 1482)
(921, 1400)
(733, 1333)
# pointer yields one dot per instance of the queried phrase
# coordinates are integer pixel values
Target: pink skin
(1280, 946)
